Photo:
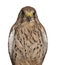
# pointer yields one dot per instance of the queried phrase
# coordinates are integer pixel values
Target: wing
(11, 40)
(44, 39)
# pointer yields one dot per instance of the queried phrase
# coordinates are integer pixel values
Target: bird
(27, 41)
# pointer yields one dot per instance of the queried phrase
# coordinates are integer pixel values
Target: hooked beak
(29, 18)
(28, 15)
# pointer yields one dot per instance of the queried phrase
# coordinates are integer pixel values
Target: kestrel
(27, 44)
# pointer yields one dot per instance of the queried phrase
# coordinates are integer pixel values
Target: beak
(28, 18)
(28, 15)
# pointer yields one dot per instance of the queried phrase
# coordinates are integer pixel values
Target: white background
(47, 14)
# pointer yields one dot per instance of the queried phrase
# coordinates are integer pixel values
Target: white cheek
(11, 39)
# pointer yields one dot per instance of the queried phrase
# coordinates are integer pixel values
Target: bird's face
(27, 14)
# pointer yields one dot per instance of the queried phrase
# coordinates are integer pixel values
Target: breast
(29, 44)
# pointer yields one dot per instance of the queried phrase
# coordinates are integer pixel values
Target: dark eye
(34, 13)
(23, 12)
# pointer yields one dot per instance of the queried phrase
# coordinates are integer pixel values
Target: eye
(22, 12)
(34, 13)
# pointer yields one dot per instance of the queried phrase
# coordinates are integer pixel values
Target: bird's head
(27, 14)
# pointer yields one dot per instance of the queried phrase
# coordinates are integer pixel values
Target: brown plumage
(27, 39)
